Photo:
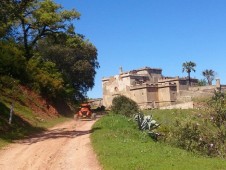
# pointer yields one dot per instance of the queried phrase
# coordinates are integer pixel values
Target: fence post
(11, 113)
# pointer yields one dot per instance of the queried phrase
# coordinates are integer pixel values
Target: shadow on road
(55, 134)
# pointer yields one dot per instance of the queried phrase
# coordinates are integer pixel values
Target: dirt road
(64, 147)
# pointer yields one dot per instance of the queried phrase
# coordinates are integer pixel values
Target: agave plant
(147, 123)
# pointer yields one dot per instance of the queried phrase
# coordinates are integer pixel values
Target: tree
(75, 57)
(188, 67)
(45, 77)
(38, 19)
(5, 17)
(12, 62)
(10, 11)
(209, 75)
(55, 58)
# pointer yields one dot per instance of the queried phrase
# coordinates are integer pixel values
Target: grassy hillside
(32, 113)
(120, 145)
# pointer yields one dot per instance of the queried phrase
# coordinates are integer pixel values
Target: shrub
(199, 132)
(187, 134)
(200, 138)
(217, 109)
(124, 106)
(217, 116)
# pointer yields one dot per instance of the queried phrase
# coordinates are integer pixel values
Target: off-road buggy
(85, 112)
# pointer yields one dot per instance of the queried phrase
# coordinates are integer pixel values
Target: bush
(217, 109)
(202, 131)
(200, 138)
(124, 106)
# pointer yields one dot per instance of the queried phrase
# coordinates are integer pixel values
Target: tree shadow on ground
(56, 134)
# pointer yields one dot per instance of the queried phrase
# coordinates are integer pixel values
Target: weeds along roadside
(199, 131)
(119, 144)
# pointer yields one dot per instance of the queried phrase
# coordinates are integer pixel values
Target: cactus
(146, 122)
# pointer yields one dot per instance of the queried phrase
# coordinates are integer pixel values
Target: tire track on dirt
(66, 146)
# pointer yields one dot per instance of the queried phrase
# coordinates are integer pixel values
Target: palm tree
(188, 67)
(209, 75)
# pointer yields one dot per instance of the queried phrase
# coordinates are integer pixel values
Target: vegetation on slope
(31, 112)
(120, 145)
(44, 64)
(202, 131)
(40, 48)
(186, 139)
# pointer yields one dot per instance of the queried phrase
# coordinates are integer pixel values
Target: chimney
(218, 84)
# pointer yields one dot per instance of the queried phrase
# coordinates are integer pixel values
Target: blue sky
(154, 33)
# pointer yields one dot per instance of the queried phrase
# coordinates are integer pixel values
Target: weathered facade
(146, 86)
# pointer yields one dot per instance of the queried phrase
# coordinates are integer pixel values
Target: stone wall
(195, 92)
(187, 105)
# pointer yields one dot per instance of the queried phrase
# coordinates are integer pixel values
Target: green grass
(167, 118)
(120, 145)
(24, 122)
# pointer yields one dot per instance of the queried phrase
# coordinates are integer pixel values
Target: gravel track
(65, 147)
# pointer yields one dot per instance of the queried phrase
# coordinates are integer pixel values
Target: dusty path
(64, 147)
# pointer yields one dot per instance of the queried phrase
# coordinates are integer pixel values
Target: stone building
(146, 86)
